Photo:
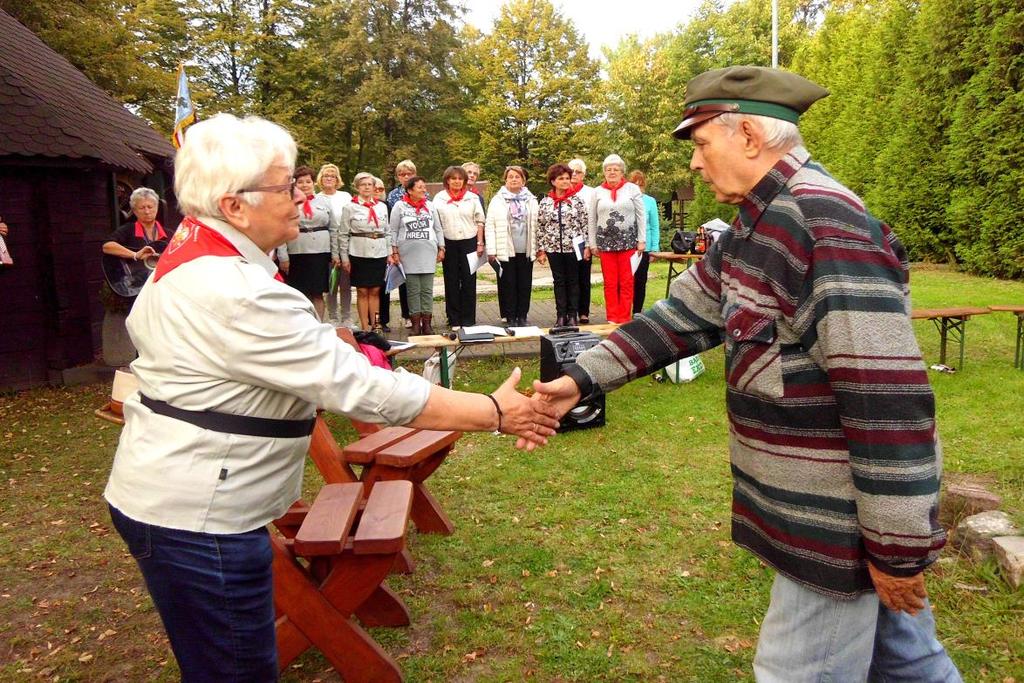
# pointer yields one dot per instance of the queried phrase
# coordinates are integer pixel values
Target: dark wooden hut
(64, 144)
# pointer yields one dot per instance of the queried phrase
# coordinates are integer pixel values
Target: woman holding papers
(462, 221)
(561, 240)
(511, 230)
(364, 242)
(418, 245)
(618, 225)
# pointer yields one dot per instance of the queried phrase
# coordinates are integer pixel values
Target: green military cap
(746, 90)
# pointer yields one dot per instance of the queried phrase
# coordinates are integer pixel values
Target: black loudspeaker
(558, 351)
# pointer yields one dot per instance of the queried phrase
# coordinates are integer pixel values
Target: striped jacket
(833, 447)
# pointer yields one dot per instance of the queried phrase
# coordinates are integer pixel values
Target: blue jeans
(214, 593)
(810, 637)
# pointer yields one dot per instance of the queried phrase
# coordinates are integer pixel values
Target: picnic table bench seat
(329, 562)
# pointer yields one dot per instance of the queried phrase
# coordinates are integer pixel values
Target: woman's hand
(479, 248)
(440, 254)
(335, 262)
(641, 246)
(531, 420)
(586, 253)
(144, 253)
(283, 266)
(542, 257)
(3, 230)
(491, 258)
(395, 260)
(347, 266)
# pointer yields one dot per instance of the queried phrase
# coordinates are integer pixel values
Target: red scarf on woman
(568, 194)
(192, 240)
(421, 204)
(615, 189)
(369, 205)
(141, 231)
(307, 208)
(456, 198)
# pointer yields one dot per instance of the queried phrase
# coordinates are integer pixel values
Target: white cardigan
(498, 230)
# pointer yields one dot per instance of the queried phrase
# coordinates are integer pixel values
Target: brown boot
(416, 328)
(425, 323)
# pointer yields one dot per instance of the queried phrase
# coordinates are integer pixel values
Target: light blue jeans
(807, 637)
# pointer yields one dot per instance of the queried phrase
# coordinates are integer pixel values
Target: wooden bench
(1018, 353)
(951, 323)
(401, 453)
(346, 555)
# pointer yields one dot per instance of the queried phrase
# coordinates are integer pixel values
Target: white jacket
(498, 230)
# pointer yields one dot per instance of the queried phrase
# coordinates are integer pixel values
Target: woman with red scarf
(462, 221)
(306, 260)
(417, 243)
(364, 242)
(142, 238)
(561, 223)
(618, 225)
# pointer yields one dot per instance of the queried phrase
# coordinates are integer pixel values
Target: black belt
(370, 235)
(313, 229)
(233, 424)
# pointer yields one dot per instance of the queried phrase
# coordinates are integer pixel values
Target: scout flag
(185, 111)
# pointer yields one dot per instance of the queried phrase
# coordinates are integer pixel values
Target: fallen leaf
(85, 658)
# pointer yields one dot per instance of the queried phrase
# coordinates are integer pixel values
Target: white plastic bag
(686, 370)
(432, 367)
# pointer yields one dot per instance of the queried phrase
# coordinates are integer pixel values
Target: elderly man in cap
(833, 446)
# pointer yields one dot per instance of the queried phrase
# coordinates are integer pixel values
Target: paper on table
(398, 345)
(634, 260)
(394, 277)
(578, 245)
(485, 329)
(475, 260)
(527, 331)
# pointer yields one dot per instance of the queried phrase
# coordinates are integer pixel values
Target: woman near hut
(618, 225)
(561, 222)
(511, 239)
(364, 242)
(462, 221)
(143, 237)
(417, 243)
(306, 260)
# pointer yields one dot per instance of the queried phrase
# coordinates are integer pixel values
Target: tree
(533, 87)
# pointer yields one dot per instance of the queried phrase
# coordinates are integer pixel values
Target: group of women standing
(360, 235)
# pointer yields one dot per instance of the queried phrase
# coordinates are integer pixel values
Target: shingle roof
(49, 108)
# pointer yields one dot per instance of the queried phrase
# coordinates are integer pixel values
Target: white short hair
(471, 164)
(578, 165)
(613, 160)
(360, 177)
(778, 134)
(225, 154)
(143, 193)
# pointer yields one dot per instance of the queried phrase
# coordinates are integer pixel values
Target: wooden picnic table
(442, 344)
(1017, 310)
(951, 323)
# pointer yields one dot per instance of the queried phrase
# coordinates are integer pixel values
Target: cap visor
(684, 129)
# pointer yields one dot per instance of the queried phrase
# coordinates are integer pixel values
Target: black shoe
(584, 319)
(560, 321)
(571, 321)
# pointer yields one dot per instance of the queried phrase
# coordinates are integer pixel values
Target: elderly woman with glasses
(462, 221)
(232, 366)
(618, 227)
(364, 243)
(306, 260)
(511, 239)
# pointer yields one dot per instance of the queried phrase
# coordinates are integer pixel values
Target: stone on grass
(1009, 551)
(965, 498)
(974, 534)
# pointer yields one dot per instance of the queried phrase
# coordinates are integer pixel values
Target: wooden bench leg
(427, 514)
(383, 608)
(348, 648)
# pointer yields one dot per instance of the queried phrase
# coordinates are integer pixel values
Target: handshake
(534, 418)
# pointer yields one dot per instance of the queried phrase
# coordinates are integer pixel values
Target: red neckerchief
(307, 208)
(141, 231)
(192, 240)
(568, 194)
(421, 204)
(577, 187)
(615, 189)
(456, 198)
(472, 188)
(369, 205)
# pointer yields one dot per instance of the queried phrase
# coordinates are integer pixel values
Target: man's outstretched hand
(560, 395)
(899, 593)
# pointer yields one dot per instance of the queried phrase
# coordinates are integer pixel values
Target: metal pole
(775, 34)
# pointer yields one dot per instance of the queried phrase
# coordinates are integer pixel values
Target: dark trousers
(214, 593)
(640, 282)
(385, 304)
(584, 279)
(514, 286)
(566, 276)
(459, 283)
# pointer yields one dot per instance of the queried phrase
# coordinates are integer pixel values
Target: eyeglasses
(286, 187)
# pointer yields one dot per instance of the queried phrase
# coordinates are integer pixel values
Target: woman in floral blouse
(561, 222)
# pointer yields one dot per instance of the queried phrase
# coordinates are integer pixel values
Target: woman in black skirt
(364, 243)
(306, 260)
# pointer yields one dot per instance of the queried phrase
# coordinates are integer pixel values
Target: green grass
(604, 556)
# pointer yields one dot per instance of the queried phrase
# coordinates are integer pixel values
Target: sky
(602, 22)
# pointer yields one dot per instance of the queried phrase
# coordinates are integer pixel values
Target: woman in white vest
(511, 236)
